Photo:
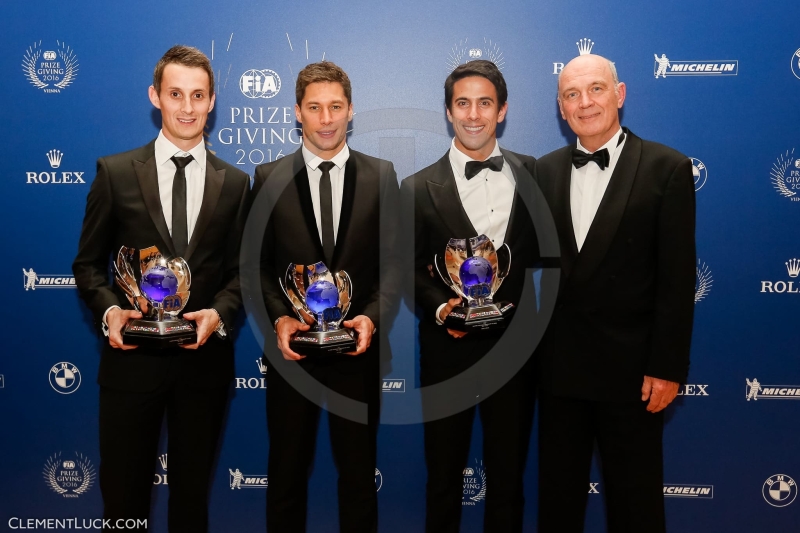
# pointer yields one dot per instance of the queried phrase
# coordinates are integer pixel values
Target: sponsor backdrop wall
(717, 80)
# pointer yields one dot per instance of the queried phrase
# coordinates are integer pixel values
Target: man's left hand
(206, 321)
(660, 392)
(365, 328)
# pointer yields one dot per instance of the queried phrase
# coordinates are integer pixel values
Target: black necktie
(473, 168)
(601, 157)
(326, 211)
(180, 231)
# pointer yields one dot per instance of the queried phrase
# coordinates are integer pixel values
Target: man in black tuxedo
(475, 188)
(172, 194)
(328, 203)
(617, 346)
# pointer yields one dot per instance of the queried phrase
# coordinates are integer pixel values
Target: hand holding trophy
(475, 270)
(160, 294)
(320, 299)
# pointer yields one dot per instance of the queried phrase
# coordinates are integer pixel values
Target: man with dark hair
(332, 204)
(172, 194)
(617, 346)
(476, 188)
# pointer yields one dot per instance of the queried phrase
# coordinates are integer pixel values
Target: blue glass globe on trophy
(322, 295)
(158, 282)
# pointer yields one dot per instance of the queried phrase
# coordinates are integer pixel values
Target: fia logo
(161, 479)
(50, 70)
(67, 477)
(792, 269)
(584, 45)
(785, 175)
(378, 480)
(756, 391)
(463, 52)
(260, 83)
(254, 383)
(65, 378)
(32, 281)
(795, 63)
(779, 490)
(54, 157)
(238, 480)
(663, 67)
(704, 281)
(474, 484)
(700, 173)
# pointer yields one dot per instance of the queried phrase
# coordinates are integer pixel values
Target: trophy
(475, 270)
(320, 299)
(160, 294)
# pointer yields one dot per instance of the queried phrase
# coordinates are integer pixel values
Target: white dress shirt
(587, 187)
(195, 180)
(487, 197)
(337, 184)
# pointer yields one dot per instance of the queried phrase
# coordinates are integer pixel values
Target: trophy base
(314, 343)
(483, 319)
(159, 334)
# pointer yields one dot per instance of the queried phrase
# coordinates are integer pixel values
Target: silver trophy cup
(160, 293)
(320, 299)
(474, 270)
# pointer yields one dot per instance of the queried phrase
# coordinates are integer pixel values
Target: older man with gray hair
(617, 346)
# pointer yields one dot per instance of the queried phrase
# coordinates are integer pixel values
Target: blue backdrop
(76, 78)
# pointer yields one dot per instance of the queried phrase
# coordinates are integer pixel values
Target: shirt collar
(313, 160)
(612, 145)
(165, 150)
(459, 159)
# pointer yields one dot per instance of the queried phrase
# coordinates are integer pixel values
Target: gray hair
(614, 76)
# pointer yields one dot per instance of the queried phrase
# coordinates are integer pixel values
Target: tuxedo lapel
(444, 196)
(306, 206)
(211, 189)
(147, 176)
(609, 213)
(348, 203)
(522, 189)
(562, 212)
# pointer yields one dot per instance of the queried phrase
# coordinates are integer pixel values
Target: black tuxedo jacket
(626, 301)
(440, 216)
(365, 242)
(123, 208)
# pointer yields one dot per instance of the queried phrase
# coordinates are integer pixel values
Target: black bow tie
(581, 158)
(601, 157)
(473, 168)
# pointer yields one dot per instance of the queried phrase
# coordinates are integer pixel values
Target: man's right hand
(116, 319)
(285, 328)
(446, 310)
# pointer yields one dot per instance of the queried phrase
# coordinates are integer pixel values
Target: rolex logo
(54, 156)
(793, 267)
(585, 46)
(163, 460)
(263, 368)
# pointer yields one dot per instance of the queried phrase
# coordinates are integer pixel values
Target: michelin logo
(755, 391)
(663, 67)
(689, 491)
(394, 385)
(32, 281)
(237, 480)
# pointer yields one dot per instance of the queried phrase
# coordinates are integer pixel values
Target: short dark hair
(479, 67)
(187, 56)
(324, 71)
